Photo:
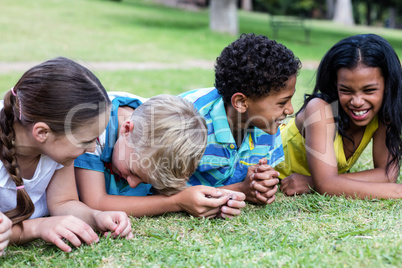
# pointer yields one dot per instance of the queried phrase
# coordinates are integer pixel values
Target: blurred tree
(247, 5)
(223, 16)
(343, 12)
(330, 9)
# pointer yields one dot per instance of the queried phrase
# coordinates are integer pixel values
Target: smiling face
(268, 113)
(361, 92)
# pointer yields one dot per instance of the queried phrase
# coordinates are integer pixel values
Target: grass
(303, 231)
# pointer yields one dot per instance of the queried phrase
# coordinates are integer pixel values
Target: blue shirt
(101, 159)
(223, 163)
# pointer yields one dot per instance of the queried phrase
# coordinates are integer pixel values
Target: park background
(147, 48)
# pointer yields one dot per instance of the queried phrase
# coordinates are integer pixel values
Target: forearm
(378, 175)
(340, 185)
(77, 209)
(238, 187)
(137, 206)
(25, 231)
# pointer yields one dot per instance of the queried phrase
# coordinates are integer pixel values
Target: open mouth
(360, 113)
(280, 121)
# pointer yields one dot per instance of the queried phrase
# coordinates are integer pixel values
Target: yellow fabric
(295, 150)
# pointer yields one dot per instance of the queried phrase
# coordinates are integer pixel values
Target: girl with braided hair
(52, 115)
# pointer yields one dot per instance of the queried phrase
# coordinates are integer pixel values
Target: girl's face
(361, 92)
(65, 148)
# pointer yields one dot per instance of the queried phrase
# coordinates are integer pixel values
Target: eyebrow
(366, 86)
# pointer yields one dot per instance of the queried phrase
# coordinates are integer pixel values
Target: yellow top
(295, 150)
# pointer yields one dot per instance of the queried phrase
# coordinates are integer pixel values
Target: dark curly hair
(254, 65)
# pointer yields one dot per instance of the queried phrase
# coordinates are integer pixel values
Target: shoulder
(124, 95)
(317, 114)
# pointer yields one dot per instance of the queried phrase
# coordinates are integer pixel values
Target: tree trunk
(247, 5)
(343, 12)
(391, 21)
(223, 16)
(330, 9)
(368, 13)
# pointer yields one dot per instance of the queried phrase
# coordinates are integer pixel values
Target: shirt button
(232, 146)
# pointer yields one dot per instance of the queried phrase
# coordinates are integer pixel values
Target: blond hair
(169, 137)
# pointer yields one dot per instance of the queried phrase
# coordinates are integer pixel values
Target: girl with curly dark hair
(357, 99)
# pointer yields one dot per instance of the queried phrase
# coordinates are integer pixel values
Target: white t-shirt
(35, 187)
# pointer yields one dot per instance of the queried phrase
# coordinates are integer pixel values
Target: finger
(210, 213)
(266, 183)
(212, 192)
(3, 244)
(263, 161)
(79, 228)
(216, 202)
(124, 228)
(266, 175)
(271, 200)
(265, 197)
(236, 204)
(130, 236)
(230, 211)
(262, 168)
(58, 242)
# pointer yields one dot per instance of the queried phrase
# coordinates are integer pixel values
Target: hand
(233, 205)
(5, 232)
(114, 223)
(262, 183)
(297, 184)
(202, 201)
(57, 228)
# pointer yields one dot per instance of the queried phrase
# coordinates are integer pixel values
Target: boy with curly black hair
(255, 79)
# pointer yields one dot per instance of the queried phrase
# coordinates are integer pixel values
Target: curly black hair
(254, 65)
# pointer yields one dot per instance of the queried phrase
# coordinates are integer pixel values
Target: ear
(239, 102)
(41, 131)
(126, 128)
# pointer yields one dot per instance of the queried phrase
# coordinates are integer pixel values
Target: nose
(133, 182)
(91, 148)
(357, 100)
(289, 110)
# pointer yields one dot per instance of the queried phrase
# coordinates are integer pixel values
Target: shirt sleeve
(89, 161)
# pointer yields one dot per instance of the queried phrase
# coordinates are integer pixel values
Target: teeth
(360, 113)
(280, 121)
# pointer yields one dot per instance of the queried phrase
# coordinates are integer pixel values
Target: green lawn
(302, 231)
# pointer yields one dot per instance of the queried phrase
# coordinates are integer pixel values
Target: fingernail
(223, 209)
(279, 174)
(219, 192)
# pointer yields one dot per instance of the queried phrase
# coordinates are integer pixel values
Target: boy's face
(128, 164)
(268, 113)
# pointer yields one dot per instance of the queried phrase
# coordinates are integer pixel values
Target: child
(254, 82)
(357, 98)
(5, 232)
(155, 144)
(52, 115)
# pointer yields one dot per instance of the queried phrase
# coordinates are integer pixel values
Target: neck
(25, 145)
(236, 124)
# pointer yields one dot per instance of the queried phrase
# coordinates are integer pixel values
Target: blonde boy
(146, 150)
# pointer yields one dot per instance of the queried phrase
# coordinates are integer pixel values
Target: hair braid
(25, 206)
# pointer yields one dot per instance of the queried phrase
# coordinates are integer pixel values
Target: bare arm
(195, 200)
(319, 135)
